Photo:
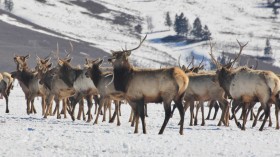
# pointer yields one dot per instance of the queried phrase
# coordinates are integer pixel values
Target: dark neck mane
(96, 75)
(121, 77)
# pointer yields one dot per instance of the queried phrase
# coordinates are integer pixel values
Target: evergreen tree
(150, 23)
(168, 21)
(9, 5)
(267, 49)
(197, 28)
(181, 25)
(138, 28)
(206, 33)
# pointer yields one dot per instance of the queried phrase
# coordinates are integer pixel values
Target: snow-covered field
(23, 135)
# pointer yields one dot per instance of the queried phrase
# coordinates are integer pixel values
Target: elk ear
(128, 53)
(49, 66)
(27, 56)
(100, 62)
(87, 62)
(68, 60)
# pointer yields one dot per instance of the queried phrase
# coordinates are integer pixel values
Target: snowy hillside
(109, 25)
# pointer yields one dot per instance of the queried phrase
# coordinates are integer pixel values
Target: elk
(106, 89)
(246, 85)
(29, 83)
(157, 85)
(83, 85)
(6, 84)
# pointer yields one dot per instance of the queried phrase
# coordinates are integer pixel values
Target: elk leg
(105, 110)
(146, 110)
(251, 114)
(64, 102)
(235, 104)
(131, 116)
(191, 112)
(225, 113)
(110, 108)
(270, 122)
(202, 114)
(81, 107)
(276, 115)
(141, 105)
(43, 101)
(28, 106)
(210, 108)
(167, 109)
(89, 103)
(133, 120)
(244, 117)
(49, 105)
(102, 101)
(96, 102)
(216, 107)
(267, 112)
(57, 109)
(255, 120)
(7, 102)
(115, 112)
(196, 113)
(120, 112)
(173, 109)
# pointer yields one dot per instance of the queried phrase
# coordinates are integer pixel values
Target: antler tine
(57, 50)
(201, 62)
(48, 56)
(71, 50)
(240, 50)
(141, 41)
(212, 56)
(257, 64)
(190, 62)
(179, 62)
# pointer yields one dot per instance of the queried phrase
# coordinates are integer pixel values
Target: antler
(178, 62)
(56, 54)
(191, 62)
(257, 64)
(71, 50)
(201, 62)
(240, 50)
(212, 56)
(141, 41)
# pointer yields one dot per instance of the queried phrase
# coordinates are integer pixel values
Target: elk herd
(226, 87)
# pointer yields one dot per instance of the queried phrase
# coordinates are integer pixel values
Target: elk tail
(181, 79)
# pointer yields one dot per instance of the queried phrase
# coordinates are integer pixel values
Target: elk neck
(25, 76)
(122, 76)
(95, 74)
(69, 75)
(225, 78)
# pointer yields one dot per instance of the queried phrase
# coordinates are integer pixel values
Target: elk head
(120, 58)
(21, 61)
(223, 71)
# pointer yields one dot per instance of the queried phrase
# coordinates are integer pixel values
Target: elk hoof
(261, 129)
(270, 124)
(239, 125)
(118, 124)
(254, 124)
(7, 111)
(207, 118)
(73, 118)
(202, 124)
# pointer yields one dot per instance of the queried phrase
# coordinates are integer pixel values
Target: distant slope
(21, 41)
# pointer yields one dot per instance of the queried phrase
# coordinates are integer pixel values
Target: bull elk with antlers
(246, 85)
(157, 85)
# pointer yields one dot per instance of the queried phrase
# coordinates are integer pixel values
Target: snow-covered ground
(227, 20)
(23, 135)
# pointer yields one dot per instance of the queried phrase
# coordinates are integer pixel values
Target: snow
(227, 20)
(32, 135)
